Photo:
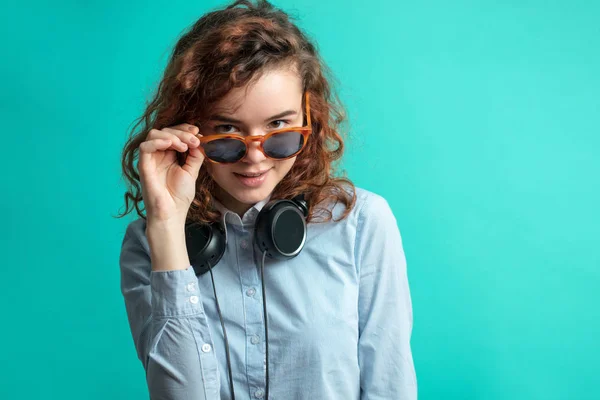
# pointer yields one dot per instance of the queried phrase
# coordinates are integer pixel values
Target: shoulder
(374, 219)
(136, 229)
(365, 204)
(134, 239)
(371, 207)
(371, 216)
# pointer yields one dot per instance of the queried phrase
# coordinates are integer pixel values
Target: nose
(254, 154)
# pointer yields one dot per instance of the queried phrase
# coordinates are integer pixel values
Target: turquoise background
(477, 120)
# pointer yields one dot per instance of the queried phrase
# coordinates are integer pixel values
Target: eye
(278, 124)
(225, 129)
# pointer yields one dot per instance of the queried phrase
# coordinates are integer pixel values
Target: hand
(168, 189)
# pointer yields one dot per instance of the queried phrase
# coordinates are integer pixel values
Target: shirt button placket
(253, 313)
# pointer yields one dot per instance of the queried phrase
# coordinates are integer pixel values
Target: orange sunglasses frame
(304, 130)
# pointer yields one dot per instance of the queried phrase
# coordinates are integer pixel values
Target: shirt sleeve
(168, 324)
(385, 309)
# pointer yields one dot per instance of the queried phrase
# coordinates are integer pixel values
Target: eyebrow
(229, 120)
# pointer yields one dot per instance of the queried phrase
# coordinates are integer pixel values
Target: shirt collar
(247, 220)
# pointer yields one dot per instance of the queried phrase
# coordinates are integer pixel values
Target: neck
(231, 203)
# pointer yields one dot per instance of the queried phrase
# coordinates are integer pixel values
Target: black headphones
(280, 231)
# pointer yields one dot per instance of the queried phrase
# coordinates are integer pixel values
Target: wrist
(164, 227)
(167, 243)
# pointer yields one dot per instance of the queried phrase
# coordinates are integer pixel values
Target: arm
(385, 309)
(168, 324)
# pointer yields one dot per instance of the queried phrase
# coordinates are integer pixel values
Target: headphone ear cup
(280, 229)
(205, 244)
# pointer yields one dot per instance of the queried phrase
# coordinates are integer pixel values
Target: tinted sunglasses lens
(225, 150)
(283, 145)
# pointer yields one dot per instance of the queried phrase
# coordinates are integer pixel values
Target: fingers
(186, 133)
(193, 129)
(148, 148)
(182, 137)
(193, 161)
(151, 146)
(176, 142)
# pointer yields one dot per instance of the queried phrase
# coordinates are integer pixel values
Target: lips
(252, 179)
(251, 174)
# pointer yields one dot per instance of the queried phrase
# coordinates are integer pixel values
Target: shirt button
(206, 347)
(259, 394)
(250, 292)
(191, 287)
(194, 299)
(255, 339)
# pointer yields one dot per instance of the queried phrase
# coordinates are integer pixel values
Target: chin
(251, 196)
(233, 191)
(244, 195)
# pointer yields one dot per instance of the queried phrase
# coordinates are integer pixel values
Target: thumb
(193, 161)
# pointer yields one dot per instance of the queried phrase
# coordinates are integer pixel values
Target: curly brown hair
(226, 49)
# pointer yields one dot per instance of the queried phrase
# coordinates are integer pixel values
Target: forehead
(273, 92)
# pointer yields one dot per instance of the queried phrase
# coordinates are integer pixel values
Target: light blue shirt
(340, 314)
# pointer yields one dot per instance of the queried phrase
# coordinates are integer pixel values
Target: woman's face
(274, 101)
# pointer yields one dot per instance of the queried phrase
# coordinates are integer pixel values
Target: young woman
(306, 295)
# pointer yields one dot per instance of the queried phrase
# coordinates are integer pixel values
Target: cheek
(216, 171)
(283, 167)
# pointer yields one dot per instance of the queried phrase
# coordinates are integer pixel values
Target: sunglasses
(279, 144)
